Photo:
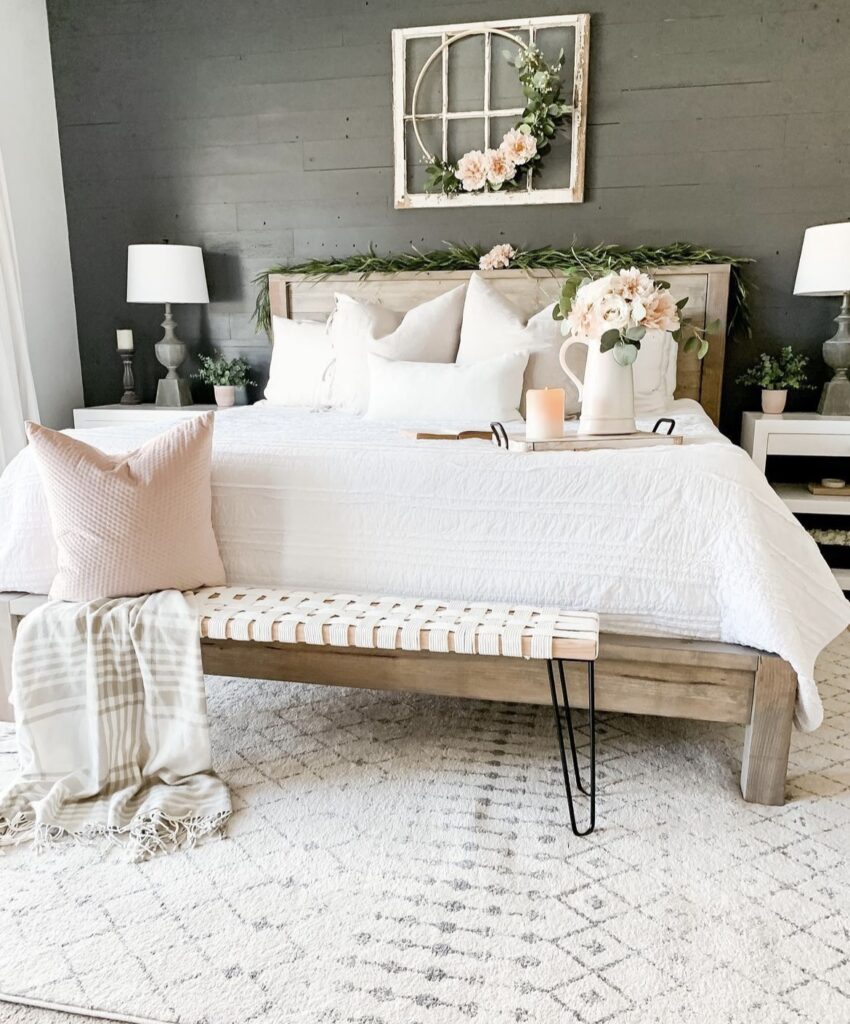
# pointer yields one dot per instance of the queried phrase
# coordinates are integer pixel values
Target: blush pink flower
(472, 170)
(633, 284)
(661, 313)
(519, 147)
(582, 321)
(500, 168)
(497, 258)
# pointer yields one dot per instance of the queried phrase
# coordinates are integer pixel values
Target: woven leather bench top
(266, 615)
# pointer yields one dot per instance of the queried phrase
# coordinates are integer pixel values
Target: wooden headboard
(705, 285)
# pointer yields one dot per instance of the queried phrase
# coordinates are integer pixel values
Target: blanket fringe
(147, 834)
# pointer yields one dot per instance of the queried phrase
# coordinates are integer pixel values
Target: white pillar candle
(125, 341)
(544, 414)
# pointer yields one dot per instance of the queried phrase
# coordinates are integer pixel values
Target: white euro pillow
(301, 356)
(475, 393)
(492, 325)
(655, 372)
(428, 333)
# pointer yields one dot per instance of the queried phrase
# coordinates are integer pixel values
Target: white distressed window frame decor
(404, 112)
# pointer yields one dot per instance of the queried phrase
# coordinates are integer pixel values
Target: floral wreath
(523, 147)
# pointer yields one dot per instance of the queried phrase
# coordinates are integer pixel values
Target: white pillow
(655, 372)
(300, 356)
(492, 325)
(428, 333)
(474, 394)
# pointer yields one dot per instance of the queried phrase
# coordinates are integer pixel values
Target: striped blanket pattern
(112, 727)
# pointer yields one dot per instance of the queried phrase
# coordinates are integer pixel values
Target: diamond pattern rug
(397, 859)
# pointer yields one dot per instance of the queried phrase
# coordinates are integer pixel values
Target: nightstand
(801, 433)
(115, 415)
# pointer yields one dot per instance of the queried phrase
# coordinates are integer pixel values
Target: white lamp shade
(824, 261)
(166, 273)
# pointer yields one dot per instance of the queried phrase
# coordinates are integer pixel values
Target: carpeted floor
(406, 860)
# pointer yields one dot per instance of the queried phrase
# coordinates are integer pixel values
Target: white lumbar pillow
(428, 333)
(475, 393)
(492, 325)
(300, 357)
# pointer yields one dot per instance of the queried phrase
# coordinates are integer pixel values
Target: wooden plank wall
(260, 129)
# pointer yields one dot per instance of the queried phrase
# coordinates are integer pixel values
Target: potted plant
(775, 375)
(225, 375)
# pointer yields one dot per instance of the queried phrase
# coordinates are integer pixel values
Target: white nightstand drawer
(116, 415)
(808, 444)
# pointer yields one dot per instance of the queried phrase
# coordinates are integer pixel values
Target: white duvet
(678, 541)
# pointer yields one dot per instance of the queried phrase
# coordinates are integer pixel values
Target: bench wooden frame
(692, 679)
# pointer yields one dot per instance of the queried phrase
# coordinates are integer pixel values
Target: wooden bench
(551, 635)
(671, 677)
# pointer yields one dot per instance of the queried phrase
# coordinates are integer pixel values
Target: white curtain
(17, 390)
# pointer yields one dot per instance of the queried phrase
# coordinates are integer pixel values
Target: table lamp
(166, 274)
(825, 270)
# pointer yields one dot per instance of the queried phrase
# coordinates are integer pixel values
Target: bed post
(768, 736)
(8, 623)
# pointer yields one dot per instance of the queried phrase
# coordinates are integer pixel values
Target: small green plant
(221, 372)
(784, 372)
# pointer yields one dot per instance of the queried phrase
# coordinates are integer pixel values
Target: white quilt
(678, 541)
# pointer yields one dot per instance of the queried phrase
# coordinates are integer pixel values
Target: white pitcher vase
(607, 393)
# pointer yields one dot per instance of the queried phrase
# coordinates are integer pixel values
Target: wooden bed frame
(638, 675)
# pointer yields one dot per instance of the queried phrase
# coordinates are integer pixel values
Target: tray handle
(500, 435)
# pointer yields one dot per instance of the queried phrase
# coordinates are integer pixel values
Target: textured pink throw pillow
(130, 524)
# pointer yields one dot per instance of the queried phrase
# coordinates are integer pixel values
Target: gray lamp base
(172, 391)
(835, 398)
(175, 393)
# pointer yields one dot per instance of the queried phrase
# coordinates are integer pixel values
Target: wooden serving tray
(590, 442)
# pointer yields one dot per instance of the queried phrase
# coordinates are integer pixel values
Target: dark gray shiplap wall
(260, 129)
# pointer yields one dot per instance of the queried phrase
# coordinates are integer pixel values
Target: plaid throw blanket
(112, 727)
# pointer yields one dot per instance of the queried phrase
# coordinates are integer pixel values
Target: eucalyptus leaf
(568, 292)
(624, 354)
(691, 343)
(680, 305)
(635, 333)
(703, 349)
(608, 340)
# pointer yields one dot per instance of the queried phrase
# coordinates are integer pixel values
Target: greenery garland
(592, 262)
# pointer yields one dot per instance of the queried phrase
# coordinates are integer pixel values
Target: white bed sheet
(672, 541)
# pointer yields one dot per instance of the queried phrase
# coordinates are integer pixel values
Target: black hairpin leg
(591, 707)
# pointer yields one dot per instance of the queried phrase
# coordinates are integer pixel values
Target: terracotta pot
(225, 395)
(772, 401)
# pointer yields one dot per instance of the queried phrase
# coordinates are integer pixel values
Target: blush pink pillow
(130, 524)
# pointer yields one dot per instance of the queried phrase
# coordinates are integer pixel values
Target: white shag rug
(396, 859)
